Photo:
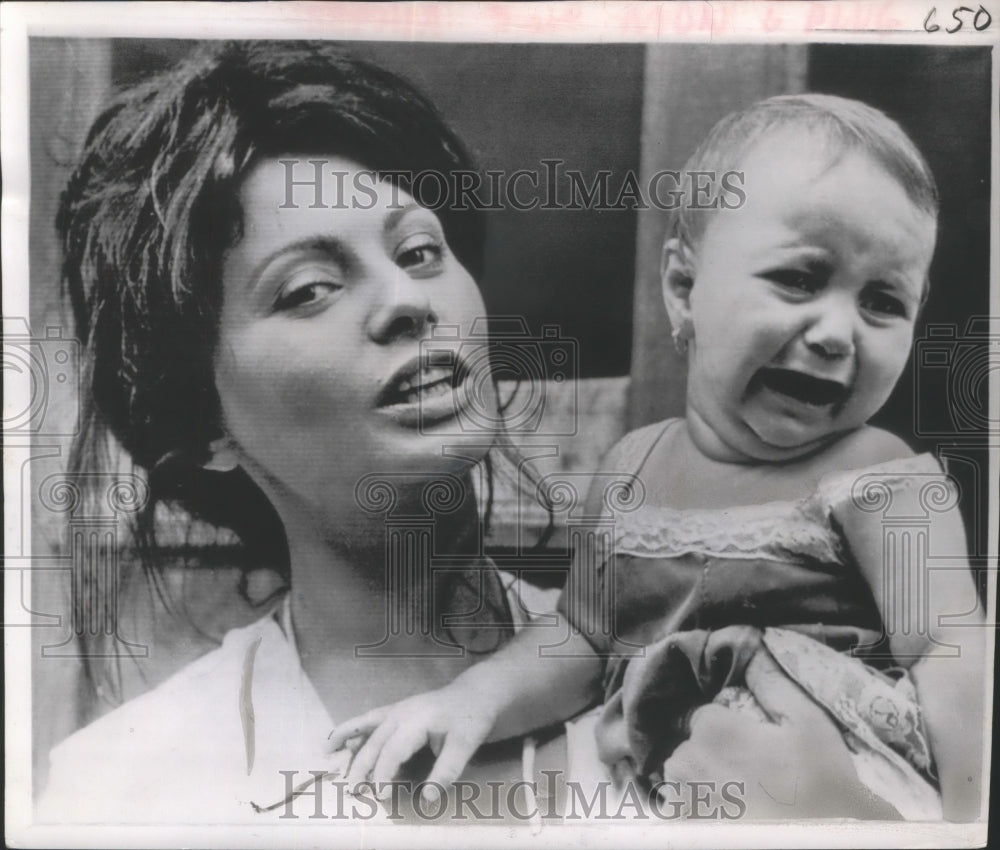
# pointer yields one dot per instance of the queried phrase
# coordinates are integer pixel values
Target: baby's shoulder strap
(630, 453)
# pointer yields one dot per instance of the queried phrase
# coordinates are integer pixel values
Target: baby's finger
(712, 722)
(364, 759)
(684, 764)
(354, 744)
(399, 748)
(359, 726)
(455, 755)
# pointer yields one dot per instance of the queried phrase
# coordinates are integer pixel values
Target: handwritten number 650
(980, 20)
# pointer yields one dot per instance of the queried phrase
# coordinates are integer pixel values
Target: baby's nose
(831, 335)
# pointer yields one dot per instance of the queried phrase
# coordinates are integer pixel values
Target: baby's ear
(677, 278)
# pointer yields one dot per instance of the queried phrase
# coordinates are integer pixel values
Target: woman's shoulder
(188, 691)
(156, 745)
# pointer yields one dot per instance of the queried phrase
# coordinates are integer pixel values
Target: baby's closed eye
(876, 298)
(795, 280)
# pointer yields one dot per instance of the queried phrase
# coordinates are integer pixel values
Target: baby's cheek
(883, 370)
(892, 355)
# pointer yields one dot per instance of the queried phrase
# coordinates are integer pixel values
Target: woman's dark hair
(152, 207)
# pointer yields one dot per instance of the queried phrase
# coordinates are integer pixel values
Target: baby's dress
(695, 594)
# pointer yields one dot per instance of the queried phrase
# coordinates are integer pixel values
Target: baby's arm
(510, 693)
(948, 661)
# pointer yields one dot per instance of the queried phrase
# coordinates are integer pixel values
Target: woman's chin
(432, 444)
(427, 452)
(468, 412)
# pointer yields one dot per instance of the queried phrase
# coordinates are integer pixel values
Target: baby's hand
(451, 721)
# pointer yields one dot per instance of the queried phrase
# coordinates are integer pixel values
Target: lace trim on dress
(788, 531)
(782, 531)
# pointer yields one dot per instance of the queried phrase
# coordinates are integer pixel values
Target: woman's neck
(362, 577)
(335, 591)
(363, 613)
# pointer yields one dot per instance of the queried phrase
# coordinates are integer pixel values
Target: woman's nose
(404, 309)
(831, 333)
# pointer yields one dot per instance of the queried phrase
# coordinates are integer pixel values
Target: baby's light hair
(842, 123)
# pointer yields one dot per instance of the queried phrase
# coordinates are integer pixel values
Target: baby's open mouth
(804, 388)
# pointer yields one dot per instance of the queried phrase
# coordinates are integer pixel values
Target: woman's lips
(423, 394)
(411, 386)
(802, 387)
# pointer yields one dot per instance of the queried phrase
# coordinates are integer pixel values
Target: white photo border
(882, 21)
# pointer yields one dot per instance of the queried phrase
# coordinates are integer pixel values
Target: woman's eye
(308, 294)
(795, 279)
(420, 252)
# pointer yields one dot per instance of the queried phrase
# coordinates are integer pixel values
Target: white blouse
(222, 741)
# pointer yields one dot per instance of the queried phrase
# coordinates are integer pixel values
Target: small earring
(680, 342)
(221, 456)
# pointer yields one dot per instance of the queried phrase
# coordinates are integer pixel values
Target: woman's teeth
(429, 382)
(411, 396)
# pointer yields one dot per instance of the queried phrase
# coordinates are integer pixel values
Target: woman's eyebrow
(329, 245)
(396, 213)
(318, 244)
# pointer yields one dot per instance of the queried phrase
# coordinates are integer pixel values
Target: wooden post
(70, 80)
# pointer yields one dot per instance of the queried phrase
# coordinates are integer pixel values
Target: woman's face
(322, 366)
